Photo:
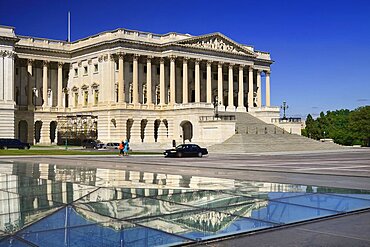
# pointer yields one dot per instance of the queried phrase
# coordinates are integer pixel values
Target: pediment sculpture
(217, 44)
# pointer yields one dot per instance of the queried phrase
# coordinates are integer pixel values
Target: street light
(215, 106)
(284, 107)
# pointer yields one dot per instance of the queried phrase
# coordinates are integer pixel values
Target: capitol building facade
(123, 84)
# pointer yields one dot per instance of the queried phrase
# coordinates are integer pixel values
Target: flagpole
(69, 26)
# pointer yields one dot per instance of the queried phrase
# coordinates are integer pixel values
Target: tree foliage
(343, 126)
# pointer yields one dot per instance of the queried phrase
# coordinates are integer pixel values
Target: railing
(286, 120)
(217, 118)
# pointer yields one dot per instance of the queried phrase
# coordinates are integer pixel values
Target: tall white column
(149, 80)
(162, 92)
(45, 84)
(220, 87)
(135, 80)
(241, 106)
(259, 95)
(268, 88)
(121, 77)
(172, 80)
(231, 106)
(250, 87)
(60, 85)
(209, 82)
(30, 84)
(197, 80)
(185, 82)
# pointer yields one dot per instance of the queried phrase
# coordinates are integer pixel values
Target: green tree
(343, 126)
(359, 124)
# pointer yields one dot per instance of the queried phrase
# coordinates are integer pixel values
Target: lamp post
(34, 90)
(284, 107)
(215, 106)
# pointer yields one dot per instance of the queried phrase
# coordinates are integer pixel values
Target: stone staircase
(253, 136)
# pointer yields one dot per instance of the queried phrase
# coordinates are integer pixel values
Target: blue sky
(321, 48)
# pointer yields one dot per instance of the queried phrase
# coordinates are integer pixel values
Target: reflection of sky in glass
(50, 205)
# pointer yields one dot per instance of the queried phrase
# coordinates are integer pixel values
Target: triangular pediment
(218, 42)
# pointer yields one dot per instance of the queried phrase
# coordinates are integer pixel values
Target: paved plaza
(343, 169)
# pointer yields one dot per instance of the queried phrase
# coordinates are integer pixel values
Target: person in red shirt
(120, 147)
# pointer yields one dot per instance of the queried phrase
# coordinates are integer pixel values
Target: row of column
(172, 100)
(45, 88)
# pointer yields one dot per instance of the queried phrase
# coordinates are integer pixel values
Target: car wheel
(166, 155)
(28, 147)
(179, 155)
(200, 154)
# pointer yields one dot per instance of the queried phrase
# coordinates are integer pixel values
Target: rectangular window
(85, 70)
(144, 69)
(86, 98)
(215, 76)
(131, 68)
(96, 68)
(76, 99)
(158, 71)
(204, 75)
(66, 100)
(225, 77)
(96, 97)
(76, 72)
(116, 65)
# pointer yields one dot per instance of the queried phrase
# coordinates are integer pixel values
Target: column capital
(89, 62)
(251, 68)
(60, 64)
(149, 58)
(259, 71)
(220, 64)
(231, 65)
(172, 58)
(198, 60)
(241, 66)
(79, 63)
(161, 60)
(185, 59)
(45, 63)
(30, 61)
(267, 72)
(135, 57)
(121, 55)
(112, 57)
(209, 62)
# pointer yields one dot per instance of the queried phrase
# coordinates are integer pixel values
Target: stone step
(267, 138)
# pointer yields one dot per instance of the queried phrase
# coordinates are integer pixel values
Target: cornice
(160, 48)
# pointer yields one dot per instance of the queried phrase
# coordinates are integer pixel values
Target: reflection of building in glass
(36, 189)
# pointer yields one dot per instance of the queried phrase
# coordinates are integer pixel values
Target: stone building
(123, 84)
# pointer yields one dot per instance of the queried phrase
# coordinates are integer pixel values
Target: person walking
(126, 148)
(121, 147)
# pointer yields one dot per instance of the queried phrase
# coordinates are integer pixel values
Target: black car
(89, 143)
(6, 143)
(186, 150)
